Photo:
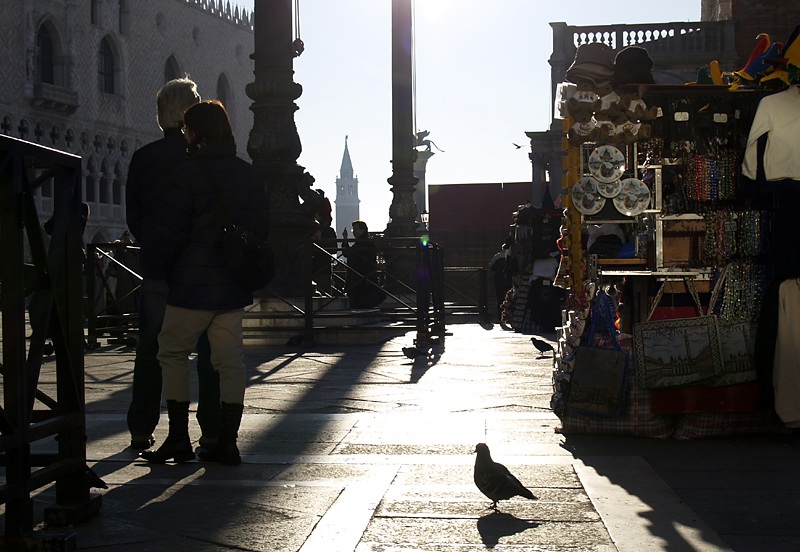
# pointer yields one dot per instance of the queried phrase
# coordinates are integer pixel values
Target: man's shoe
(207, 442)
(142, 442)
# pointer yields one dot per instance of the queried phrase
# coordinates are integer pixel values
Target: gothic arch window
(23, 129)
(116, 187)
(45, 56)
(69, 139)
(39, 132)
(123, 17)
(105, 175)
(88, 191)
(171, 69)
(7, 126)
(106, 67)
(224, 93)
(55, 135)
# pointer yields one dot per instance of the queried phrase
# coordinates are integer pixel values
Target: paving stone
(490, 529)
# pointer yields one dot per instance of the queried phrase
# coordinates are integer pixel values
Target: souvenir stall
(534, 304)
(660, 334)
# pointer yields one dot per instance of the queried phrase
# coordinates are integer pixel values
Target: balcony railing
(678, 42)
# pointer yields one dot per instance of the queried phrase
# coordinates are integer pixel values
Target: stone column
(545, 156)
(402, 210)
(274, 144)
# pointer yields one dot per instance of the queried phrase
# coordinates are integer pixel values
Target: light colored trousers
(178, 338)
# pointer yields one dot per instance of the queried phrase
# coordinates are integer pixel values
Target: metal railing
(111, 308)
(405, 273)
(112, 292)
(49, 288)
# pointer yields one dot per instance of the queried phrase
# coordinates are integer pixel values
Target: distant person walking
(362, 272)
(203, 294)
(148, 182)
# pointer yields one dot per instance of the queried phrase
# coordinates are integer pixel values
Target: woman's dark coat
(188, 230)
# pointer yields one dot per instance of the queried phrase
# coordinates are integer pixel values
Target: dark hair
(209, 123)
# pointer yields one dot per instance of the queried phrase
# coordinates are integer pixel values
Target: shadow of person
(498, 524)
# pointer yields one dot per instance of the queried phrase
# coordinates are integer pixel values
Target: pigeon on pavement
(494, 480)
(541, 345)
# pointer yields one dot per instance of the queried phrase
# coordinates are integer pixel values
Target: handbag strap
(689, 282)
(718, 285)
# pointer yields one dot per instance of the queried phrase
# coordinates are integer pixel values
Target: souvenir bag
(250, 260)
(737, 339)
(677, 352)
(597, 385)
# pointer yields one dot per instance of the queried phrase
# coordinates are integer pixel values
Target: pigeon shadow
(494, 526)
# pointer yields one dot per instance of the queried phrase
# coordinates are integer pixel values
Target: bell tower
(347, 201)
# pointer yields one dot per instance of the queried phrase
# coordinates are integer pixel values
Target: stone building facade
(81, 76)
(777, 19)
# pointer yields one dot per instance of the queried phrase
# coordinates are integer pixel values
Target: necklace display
(712, 177)
(732, 233)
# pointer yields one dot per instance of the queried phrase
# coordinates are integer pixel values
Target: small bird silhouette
(541, 345)
(494, 480)
(516, 145)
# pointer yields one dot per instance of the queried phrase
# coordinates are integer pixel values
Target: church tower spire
(347, 202)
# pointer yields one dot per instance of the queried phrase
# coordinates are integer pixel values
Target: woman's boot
(177, 446)
(226, 451)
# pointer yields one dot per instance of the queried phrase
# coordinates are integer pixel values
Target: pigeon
(494, 480)
(541, 345)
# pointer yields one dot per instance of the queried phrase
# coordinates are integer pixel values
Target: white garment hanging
(786, 366)
(778, 116)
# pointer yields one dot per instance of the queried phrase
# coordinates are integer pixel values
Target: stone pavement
(362, 449)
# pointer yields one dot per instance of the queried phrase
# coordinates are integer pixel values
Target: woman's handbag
(678, 351)
(597, 385)
(250, 260)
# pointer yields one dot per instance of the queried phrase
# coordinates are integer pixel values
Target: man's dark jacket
(148, 178)
(188, 228)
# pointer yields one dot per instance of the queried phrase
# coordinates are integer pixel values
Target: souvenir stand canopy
(680, 302)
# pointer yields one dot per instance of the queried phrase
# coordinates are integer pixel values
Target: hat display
(787, 66)
(593, 64)
(632, 65)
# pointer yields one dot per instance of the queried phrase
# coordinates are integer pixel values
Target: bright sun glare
(433, 10)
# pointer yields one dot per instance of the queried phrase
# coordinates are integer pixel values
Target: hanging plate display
(633, 198)
(606, 164)
(585, 196)
(609, 189)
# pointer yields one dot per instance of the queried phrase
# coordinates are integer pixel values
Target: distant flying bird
(541, 345)
(516, 145)
(494, 480)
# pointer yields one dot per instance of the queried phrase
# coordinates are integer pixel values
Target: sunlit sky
(482, 81)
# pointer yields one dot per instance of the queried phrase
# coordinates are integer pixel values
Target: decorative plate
(609, 189)
(585, 196)
(633, 198)
(606, 164)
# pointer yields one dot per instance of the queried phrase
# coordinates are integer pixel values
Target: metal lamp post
(274, 144)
